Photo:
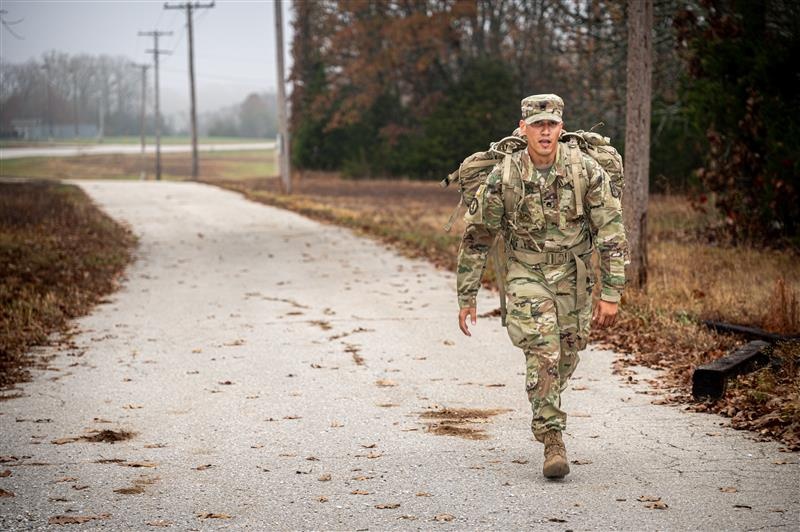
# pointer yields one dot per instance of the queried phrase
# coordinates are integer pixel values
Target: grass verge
(59, 255)
(244, 164)
(692, 277)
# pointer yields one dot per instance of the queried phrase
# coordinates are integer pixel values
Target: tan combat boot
(555, 456)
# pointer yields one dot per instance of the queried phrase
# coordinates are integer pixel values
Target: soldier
(549, 235)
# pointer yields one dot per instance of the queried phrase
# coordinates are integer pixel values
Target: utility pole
(190, 7)
(74, 72)
(142, 115)
(46, 67)
(156, 52)
(283, 135)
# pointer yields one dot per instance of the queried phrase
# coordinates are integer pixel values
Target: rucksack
(473, 171)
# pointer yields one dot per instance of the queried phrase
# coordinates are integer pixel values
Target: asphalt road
(276, 373)
(130, 149)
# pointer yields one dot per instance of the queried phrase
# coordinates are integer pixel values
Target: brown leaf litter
(95, 436)
(457, 421)
(76, 519)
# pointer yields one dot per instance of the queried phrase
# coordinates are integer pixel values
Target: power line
(8, 23)
(156, 52)
(190, 7)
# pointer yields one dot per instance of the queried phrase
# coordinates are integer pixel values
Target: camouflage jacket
(545, 219)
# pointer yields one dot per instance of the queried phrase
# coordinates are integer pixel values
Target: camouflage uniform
(546, 316)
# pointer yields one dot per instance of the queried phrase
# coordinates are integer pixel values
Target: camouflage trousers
(543, 321)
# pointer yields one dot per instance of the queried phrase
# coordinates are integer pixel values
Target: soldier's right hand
(472, 312)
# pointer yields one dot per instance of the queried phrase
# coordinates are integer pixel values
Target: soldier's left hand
(605, 313)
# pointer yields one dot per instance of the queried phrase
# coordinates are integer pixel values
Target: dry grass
(174, 166)
(58, 256)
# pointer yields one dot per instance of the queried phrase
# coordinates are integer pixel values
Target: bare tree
(637, 136)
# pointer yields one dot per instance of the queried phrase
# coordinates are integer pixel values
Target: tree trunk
(637, 137)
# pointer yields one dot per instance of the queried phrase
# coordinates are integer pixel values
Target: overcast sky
(234, 42)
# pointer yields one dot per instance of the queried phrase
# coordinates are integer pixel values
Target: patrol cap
(542, 107)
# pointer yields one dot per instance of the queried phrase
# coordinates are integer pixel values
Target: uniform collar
(529, 170)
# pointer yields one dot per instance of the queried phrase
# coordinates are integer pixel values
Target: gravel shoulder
(253, 353)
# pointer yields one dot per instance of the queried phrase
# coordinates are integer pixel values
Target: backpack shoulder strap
(577, 169)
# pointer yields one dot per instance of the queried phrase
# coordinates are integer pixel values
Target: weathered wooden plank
(749, 332)
(710, 380)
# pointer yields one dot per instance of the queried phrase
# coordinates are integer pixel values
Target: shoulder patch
(473, 206)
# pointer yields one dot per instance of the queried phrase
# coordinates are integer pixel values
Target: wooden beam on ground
(710, 380)
(749, 332)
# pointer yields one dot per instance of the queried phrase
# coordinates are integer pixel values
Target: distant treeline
(255, 117)
(61, 90)
(84, 95)
(411, 88)
(398, 88)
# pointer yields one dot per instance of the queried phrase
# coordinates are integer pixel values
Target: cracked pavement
(273, 372)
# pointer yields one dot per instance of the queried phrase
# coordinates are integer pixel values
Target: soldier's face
(542, 136)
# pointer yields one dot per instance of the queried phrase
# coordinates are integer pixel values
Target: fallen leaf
(424, 494)
(368, 445)
(408, 517)
(6, 473)
(140, 464)
(76, 487)
(324, 477)
(161, 523)
(203, 467)
(580, 388)
(62, 441)
(336, 424)
(312, 458)
(76, 519)
(385, 383)
(449, 342)
(359, 492)
(387, 506)
(519, 461)
(197, 350)
(443, 517)
(782, 462)
(322, 498)
(656, 505)
(132, 490)
(374, 454)
(210, 515)
(728, 489)
(4, 493)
